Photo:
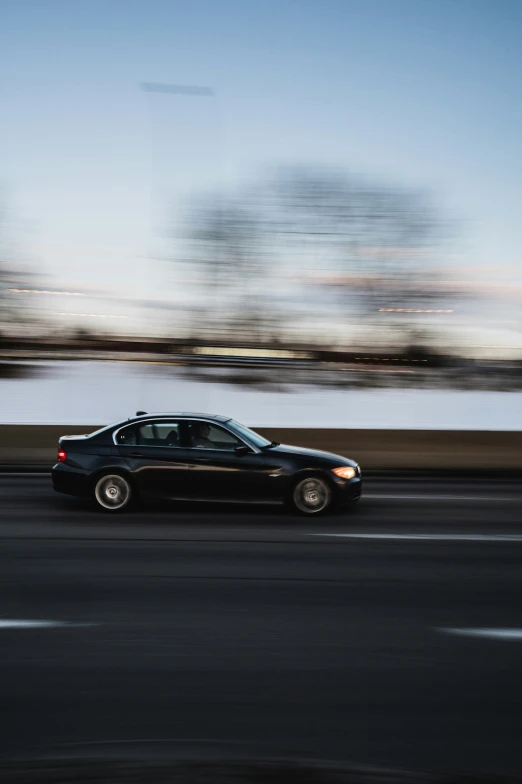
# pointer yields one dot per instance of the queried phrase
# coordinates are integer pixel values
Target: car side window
(163, 433)
(126, 436)
(205, 435)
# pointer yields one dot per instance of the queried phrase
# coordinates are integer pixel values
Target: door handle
(136, 454)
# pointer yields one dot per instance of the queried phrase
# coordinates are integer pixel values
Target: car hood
(299, 450)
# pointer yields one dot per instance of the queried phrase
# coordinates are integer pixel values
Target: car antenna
(140, 413)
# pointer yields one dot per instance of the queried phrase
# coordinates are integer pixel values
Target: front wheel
(312, 496)
(112, 492)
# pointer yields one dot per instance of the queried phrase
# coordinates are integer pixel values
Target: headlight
(345, 472)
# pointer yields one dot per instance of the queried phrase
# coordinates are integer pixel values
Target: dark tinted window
(126, 436)
(205, 435)
(164, 433)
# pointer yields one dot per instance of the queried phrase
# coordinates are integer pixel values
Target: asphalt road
(388, 637)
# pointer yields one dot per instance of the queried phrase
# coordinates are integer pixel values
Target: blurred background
(276, 195)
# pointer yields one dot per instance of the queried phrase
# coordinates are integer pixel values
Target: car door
(218, 470)
(154, 453)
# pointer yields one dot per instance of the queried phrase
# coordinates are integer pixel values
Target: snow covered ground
(97, 393)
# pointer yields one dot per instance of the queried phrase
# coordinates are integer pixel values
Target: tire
(312, 495)
(113, 492)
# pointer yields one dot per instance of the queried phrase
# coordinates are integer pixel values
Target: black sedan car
(199, 457)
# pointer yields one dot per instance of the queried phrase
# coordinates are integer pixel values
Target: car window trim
(254, 448)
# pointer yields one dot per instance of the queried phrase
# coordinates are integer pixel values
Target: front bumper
(348, 490)
(71, 481)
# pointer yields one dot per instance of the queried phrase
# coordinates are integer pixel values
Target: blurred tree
(378, 239)
(12, 305)
(225, 240)
(3, 264)
(311, 237)
(8, 310)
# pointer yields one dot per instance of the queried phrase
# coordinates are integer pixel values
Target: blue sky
(427, 92)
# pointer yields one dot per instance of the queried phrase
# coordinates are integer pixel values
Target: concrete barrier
(34, 446)
(414, 449)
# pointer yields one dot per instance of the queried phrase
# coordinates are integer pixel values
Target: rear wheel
(312, 496)
(112, 492)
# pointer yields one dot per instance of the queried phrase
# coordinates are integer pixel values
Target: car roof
(144, 417)
(179, 415)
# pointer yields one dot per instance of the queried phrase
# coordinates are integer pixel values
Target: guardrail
(34, 447)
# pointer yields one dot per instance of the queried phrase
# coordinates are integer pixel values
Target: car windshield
(250, 435)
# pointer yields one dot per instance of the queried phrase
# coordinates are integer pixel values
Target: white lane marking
(23, 624)
(427, 497)
(432, 537)
(492, 634)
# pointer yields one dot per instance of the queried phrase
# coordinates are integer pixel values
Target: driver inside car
(200, 436)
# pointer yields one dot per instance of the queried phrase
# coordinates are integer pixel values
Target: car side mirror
(242, 450)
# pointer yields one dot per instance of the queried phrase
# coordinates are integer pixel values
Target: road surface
(388, 637)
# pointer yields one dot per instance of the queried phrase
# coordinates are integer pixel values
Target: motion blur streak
(510, 635)
(90, 315)
(40, 291)
(8, 624)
